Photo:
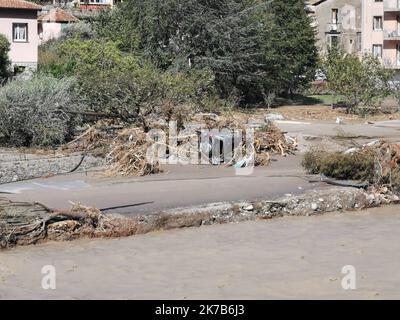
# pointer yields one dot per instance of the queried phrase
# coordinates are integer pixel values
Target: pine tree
(290, 46)
(254, 47)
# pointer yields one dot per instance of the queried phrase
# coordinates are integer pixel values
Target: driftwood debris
(29, 223)
(126, 148)
(21, 222)
(26, 223)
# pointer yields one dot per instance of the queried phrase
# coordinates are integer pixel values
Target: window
(334, 42)
(359, 41)
(377, 50)
(20, 32)
(335, 13)
(378, 23)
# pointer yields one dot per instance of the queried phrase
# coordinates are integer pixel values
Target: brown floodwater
(291, 257)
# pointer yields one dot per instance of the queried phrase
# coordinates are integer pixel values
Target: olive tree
(36, 112)
(361, 82)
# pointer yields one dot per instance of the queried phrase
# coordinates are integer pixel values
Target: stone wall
(14, 168)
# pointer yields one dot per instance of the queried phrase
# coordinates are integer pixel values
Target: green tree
(37, 112)
(254, 47)
(114, 25)
(291, 54)
(4, 61)
(124, 85)
(362, 83)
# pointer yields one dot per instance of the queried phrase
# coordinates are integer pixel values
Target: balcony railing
(334, 27)
(391, 35)
(390, 64)
(391, 6)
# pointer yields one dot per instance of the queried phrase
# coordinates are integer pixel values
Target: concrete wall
(349, 23)
(21, 53)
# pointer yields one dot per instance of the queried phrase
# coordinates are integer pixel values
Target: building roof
(19, 4)
(57, 15)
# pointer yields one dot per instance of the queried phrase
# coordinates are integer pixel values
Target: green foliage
(4, 61)
(125, 85)
(36, 112)
(115, 26)
(152, 57)
(254, 48)
(50, 62)
(290, 46)
(95, 56)
(359, 81)
(81, 29)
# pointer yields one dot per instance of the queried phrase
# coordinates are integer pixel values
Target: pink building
(18, 22)
(52, 24)
(381, 30)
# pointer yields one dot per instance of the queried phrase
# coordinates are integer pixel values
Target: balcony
(390, 64)
(391, 35)
(391, 6)
(333, 28)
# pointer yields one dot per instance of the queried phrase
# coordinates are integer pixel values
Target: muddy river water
(299, 257)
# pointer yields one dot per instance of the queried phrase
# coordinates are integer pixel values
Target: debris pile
(377, 163)
(206, 139)
(387, 163)
(128, 154)
(270, 139)
(31, 223)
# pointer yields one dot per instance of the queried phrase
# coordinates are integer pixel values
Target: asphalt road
(181, 186)
(177, 186)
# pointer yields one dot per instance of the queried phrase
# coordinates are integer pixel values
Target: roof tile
(19, 4)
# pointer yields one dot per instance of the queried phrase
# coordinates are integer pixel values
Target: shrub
(354, 166)
(4, 62)
(36, 112)
(80, 29)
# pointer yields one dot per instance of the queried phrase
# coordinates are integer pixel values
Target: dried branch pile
(270, 140)
(377, 163)
(27, 223)
(386, 163)
(128, 154)
(126, 149)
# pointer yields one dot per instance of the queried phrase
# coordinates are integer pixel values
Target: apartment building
(338, 24)
(381, 25)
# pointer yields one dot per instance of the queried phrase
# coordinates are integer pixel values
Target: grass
(298, 99)
(325, 98)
